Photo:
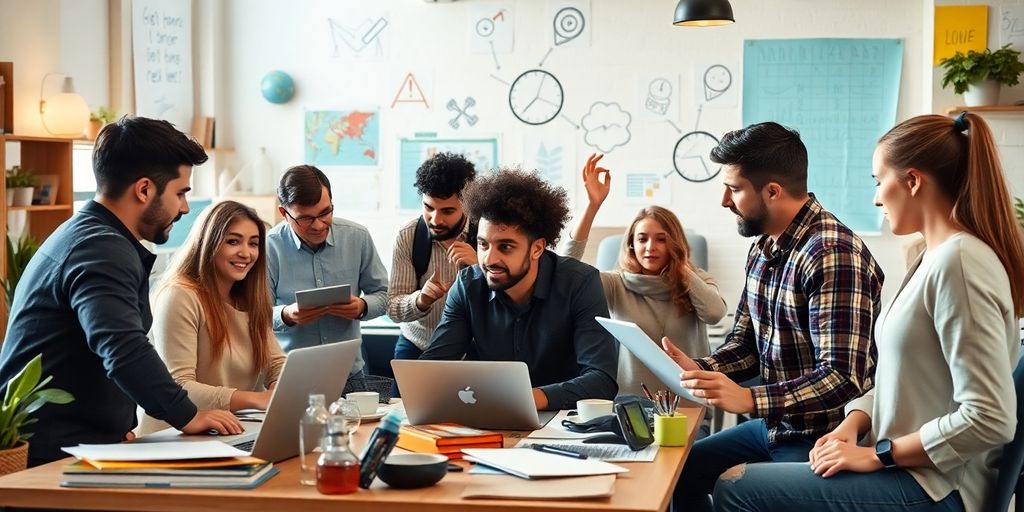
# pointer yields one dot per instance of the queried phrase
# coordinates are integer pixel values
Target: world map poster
(342, 137)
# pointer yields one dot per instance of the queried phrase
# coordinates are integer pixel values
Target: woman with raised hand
(932, 429)
(655, 284)
(212, 314)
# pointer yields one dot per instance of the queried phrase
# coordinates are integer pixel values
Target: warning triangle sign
(410, 92)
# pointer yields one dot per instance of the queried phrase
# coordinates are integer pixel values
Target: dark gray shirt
(569, 355)
(83, 303)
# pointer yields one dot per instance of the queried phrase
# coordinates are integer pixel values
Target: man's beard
(153, 226)
(450, 232)
(749, 226)
(510, 278)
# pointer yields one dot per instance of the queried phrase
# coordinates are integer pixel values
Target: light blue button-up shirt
(348, 257)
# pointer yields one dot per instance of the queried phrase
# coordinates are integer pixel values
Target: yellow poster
(960, 28)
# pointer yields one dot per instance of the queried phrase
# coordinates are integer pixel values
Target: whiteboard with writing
(162, 52)
(840, 94)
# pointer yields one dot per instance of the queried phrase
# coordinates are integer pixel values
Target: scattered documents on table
(530, 464)
(504, 486)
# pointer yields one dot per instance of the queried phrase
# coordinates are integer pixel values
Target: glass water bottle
(337, 470)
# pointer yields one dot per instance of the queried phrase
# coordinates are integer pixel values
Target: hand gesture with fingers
(597, 190)
(677, 355)
(431, 292)
(719, 391)
(461, 253)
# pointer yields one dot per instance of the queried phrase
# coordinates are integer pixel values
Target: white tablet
(650, 353)
(326, 296)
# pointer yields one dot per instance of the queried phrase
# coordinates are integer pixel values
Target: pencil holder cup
(670, 430)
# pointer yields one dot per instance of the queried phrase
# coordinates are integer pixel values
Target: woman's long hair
(678, 254)
(194, 269)
(966, 168)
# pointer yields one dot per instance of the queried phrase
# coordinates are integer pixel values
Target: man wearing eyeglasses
(312, 249)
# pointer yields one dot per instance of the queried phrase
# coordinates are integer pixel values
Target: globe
(277, 87)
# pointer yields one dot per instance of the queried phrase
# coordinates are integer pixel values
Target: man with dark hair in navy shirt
(525, 303)
(83, 301)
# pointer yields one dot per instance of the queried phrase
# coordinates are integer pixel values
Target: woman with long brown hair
(656, 285)
(944, 403)
(212, 314)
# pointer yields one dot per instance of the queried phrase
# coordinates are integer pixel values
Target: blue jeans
(711, 456)
(404, 349)
(794, 487)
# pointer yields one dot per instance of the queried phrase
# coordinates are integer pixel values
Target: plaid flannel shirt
(804, 325)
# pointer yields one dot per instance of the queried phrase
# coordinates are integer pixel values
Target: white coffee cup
(590, 408)
(366, 400)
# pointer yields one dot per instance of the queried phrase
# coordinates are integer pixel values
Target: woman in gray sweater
(655, 286)
(943, 404)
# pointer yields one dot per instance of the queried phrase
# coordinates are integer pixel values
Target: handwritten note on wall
(162, 47)
(1011, 26)
(841, 95)
(960, 28)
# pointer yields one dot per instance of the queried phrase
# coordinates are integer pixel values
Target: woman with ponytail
(212, 314)
(932, 430)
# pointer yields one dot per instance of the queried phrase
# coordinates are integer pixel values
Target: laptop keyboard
(245, 446)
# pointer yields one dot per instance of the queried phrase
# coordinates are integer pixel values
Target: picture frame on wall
(46, 190)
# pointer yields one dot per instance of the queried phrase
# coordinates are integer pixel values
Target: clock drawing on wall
(692, 157)
(535, 97)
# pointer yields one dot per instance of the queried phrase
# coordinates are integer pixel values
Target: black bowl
(413, 470)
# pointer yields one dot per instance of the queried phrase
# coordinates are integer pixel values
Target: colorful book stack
(447, 439)
(221, 473)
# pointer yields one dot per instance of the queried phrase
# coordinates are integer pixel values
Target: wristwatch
(883, 450)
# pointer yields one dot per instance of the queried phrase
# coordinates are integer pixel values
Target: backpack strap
(421, 243)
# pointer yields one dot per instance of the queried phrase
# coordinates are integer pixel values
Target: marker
(558, 451)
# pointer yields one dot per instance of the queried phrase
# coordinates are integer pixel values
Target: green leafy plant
(18, 176)
(25, 395)
(103, 114)
(1018, 208)
(17, 259)
(1003, 66)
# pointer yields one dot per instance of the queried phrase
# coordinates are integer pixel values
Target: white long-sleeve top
(947, 346)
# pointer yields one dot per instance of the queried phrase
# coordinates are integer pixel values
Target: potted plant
(978, 75)
(20, 182)
(25, 395)
(98, 119)
(17, 260)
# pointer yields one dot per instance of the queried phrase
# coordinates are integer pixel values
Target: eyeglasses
(307, 220)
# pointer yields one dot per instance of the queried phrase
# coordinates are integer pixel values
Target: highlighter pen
(558, 451)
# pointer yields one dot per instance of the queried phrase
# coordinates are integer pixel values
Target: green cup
(671, 430)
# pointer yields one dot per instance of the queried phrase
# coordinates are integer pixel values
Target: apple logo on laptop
(466, 395)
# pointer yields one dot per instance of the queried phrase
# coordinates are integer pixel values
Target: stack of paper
(209, 464)
(530, 464)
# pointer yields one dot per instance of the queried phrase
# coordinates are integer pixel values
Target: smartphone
(326, 296)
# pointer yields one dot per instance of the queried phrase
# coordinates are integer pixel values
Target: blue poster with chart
(841, 95)
(414, 151)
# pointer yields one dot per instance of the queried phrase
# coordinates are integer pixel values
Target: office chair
(1010, 482)
(608, 250)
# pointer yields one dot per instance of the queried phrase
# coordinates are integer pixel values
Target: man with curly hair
(429, 251)
(524, 302)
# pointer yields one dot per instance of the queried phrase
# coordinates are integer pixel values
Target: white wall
(44, 36)
(628, 39)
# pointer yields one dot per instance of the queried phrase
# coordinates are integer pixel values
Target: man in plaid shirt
(803, 325)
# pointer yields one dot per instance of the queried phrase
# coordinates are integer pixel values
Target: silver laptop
(315, 370)
(482, 394)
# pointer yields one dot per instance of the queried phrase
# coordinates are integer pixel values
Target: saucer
(381, 410)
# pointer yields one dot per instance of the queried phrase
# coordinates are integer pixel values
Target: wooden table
(646, 487)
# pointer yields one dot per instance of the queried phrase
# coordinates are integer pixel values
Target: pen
(558, 451)
(647, 392)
